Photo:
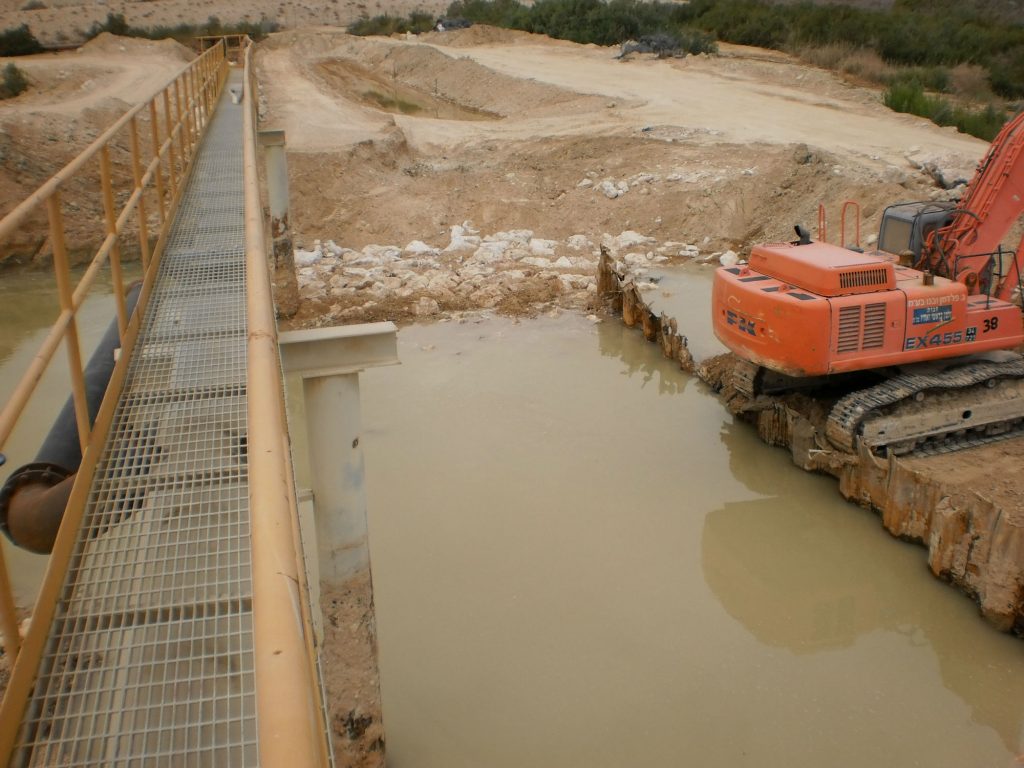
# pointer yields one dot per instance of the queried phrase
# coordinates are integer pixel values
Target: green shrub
(115, 25)
(390, 25)
(909, 96)
(13, 82)
(18, 41)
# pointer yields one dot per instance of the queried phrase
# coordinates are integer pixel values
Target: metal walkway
(150, 657)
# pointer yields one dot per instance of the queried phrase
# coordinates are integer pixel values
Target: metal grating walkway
(149, 660)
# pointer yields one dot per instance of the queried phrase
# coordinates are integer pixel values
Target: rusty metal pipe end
(32, 504)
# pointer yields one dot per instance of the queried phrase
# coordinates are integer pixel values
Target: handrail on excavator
(175, 118)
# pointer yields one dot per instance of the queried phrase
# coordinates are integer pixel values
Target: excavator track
(998, 416)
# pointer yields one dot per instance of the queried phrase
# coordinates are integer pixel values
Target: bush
(18, 41)
(115, 25)
(909, 96)
(390, 25)
(13, 82)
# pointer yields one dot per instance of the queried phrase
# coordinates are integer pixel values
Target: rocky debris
(612, 190)
(660, 44)
(512, 270)
(947, 171)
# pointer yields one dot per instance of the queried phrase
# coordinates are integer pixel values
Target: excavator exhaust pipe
(33, 499)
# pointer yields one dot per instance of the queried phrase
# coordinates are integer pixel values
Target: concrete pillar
(328, 360)
(286, 288)
(333, 425)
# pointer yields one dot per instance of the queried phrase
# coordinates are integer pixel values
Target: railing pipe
(286, 693)
(107, 186)
(140, 186)
(64, 291)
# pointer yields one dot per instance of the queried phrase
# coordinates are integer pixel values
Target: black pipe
(33, 499)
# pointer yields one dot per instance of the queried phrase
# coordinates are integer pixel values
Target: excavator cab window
(906, 226)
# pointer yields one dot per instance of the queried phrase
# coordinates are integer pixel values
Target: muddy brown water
(28, 307)
(580, 559)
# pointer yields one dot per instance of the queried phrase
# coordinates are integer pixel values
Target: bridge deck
(149, 660)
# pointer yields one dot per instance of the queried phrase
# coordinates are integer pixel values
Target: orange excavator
(934, 313)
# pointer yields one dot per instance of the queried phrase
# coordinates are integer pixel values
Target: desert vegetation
(12, 82)
(116, 25)
(18, 41)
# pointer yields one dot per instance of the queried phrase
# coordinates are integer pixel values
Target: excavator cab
(906, 226)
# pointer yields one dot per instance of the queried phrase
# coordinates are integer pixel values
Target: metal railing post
(63, 277)
(140, 206)
(110, 216)
(8, 612)
(172, 160)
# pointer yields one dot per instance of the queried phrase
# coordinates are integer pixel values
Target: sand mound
(108, 43)
(438, 76)
(479, 35)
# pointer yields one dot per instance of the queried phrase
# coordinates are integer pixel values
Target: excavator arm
(992, 205)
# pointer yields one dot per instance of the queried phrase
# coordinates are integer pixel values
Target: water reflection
(796, 577)
(616, 340)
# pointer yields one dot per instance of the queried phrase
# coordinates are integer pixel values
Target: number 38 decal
(991, 323)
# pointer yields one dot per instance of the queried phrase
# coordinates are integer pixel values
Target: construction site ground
(717, 153)
(480, 170)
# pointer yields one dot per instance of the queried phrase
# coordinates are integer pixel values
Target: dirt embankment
(72, 99)
(392, 144)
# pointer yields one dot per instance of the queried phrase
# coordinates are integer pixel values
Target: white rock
(462, 240)
(585, 183)
(610, 191)
(536, 261)
(541, 247)
(489, 253)
(871, 239)
(382, 253)
(622, 186)
(578, 242)
(594, 318)
(513, 237)
(419, 247)
(631, 239)
(728, 259)
(562, 263)
(334, 249)
(426, 306)
(305, 258)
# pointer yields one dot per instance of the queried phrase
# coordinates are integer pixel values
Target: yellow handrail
(159, 170)
(291, 729)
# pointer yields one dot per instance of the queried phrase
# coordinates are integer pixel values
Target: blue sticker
(931, 315)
